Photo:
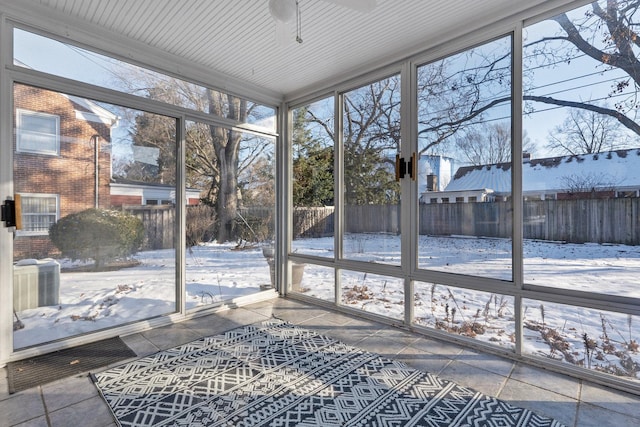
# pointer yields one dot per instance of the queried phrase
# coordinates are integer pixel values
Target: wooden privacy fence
(319, 222)
(313, 222)
(584, 220)
(575, 221)
(159, 225)
(466, 219)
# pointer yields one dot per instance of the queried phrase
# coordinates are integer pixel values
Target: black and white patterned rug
(277, 374)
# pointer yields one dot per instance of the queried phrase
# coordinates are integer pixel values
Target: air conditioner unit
(36, 283)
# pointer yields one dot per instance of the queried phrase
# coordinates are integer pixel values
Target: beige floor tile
(548, 380)
(242, 316)
(170, 336)
(381, 345)
(597, 416)
(92, 412)
(422, 360)
(490, 362)
(541, 401)
(20, 407)
(473, 377)
(611, 399)
(4, 384)
(68, 391)
(400, 336)
(36, 422)
(434, 346)
(140, 345)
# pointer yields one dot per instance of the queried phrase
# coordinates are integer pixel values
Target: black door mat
(28, 373)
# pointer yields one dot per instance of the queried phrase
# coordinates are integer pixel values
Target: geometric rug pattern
(279, 375)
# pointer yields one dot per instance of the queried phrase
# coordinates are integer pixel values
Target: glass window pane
(313, 179)
(464, 167)
(603, 341)
(39, 212)
(39, 123)
(314, 281)
(581, 174)
(230, 216)
(382, 295)
(37, 132)
(484, 316)
(66, 60)
(371, 140)
(91, 255)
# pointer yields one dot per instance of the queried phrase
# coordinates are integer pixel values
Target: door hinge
(406, 167)
(10, 213)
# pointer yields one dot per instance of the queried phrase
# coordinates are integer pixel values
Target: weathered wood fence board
(584, 220)
(365, 218)
(159, 224)
(576, 221)
(313, 222)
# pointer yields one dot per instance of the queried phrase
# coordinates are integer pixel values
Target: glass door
(464, 204)
(371, 192)
(97, 185)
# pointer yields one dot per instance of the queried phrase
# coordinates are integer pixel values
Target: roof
(620, 168)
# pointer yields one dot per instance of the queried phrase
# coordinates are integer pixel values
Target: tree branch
(628, 64)
(624, 120)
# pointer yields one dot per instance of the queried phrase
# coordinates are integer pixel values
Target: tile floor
(75, 401)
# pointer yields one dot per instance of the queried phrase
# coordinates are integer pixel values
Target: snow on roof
(620, 168)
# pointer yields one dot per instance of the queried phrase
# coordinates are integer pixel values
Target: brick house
(126, 192)
(61, 162)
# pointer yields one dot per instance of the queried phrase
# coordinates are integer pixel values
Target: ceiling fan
(285, 11)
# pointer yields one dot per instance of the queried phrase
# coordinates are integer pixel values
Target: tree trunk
(226, 144)
(227, 201)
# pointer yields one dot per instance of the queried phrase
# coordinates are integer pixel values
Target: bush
(97, 234)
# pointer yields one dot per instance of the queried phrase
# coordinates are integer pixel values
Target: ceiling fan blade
(364, 6)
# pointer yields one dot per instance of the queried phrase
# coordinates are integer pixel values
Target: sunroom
(302, 150)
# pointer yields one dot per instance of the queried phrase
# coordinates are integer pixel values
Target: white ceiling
(237, 37)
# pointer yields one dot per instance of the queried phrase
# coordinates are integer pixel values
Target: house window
(152, 201)
(37, 132)
(459, 199)
(473, 199)
(626, 194)
(39, 212)
(433, 200)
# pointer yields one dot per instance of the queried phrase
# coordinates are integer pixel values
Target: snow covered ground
(606, 341)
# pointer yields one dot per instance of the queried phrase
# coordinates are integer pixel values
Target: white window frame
(23, 196)
(22, 134)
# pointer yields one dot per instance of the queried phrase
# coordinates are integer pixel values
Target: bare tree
(587, 132)
(215, 155)
(606, 33)
(588, 182)
(371, 138)
(487, 143)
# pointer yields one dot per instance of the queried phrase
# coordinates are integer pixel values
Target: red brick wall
(71, 174)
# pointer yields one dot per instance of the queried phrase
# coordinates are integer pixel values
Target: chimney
(432, 182)
(526, 157)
